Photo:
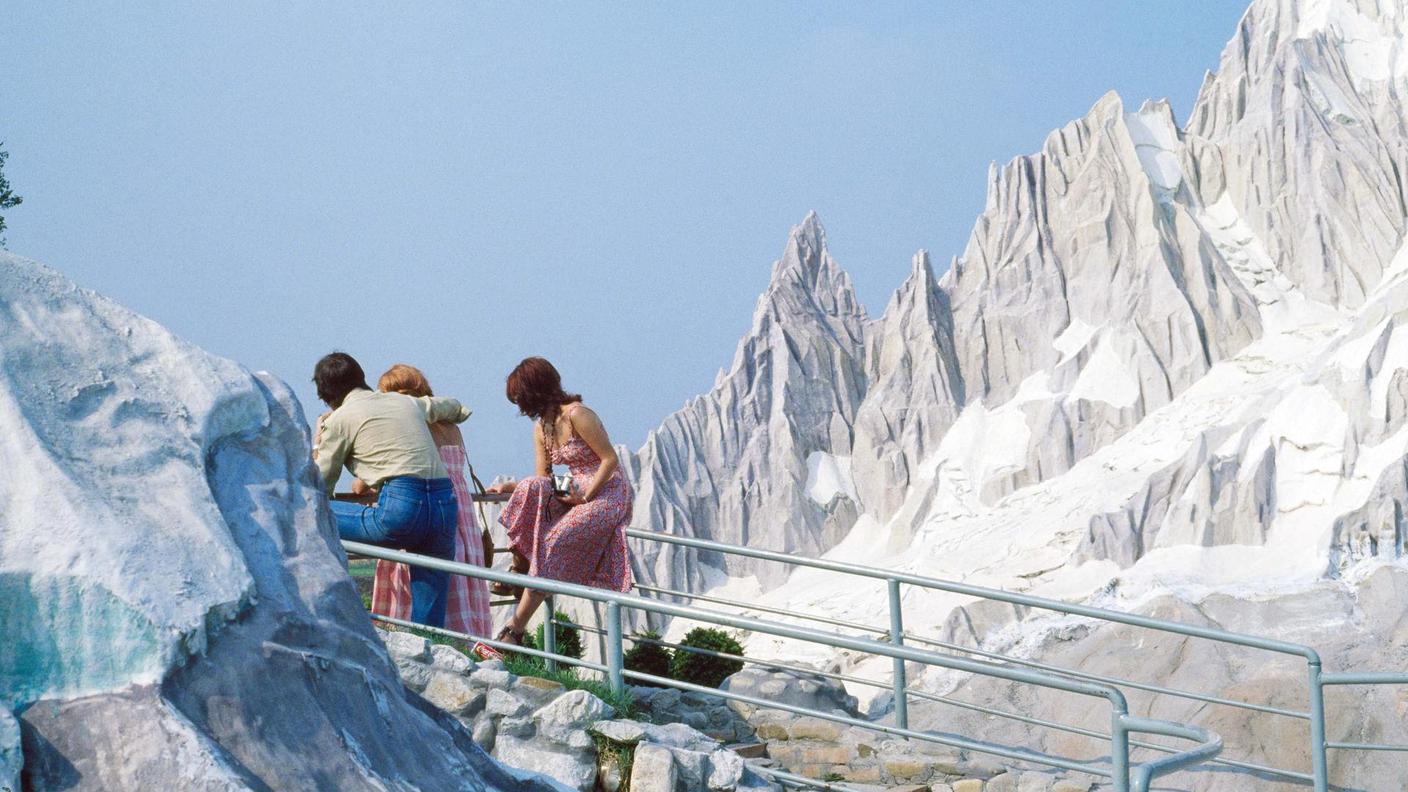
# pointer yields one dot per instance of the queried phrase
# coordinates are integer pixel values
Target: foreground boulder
(176, 604)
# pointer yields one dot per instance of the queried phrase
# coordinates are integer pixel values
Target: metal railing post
(1119, 750)
(613, 648)
(1317, 727)
(550, 631)
(897, 638)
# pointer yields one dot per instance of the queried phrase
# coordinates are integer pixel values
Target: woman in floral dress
(579, 536)
(468, 608)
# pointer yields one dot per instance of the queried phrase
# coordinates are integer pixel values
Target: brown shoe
(520, 566)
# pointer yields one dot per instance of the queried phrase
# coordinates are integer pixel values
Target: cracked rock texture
(177, 607)
(1170, 364)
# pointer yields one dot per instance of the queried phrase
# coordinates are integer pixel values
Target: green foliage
(623, 755)
(703, 669)
(569, 639)
(572, 679)
(8, 199)
(648, 658)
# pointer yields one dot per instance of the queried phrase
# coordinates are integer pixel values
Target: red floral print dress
(585, 544)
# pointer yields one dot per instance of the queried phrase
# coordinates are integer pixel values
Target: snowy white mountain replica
(1168, 374)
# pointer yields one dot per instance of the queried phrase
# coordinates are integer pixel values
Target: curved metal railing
(1124, 776)
(1317, 678)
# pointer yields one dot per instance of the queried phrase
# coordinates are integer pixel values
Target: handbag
(485, 538)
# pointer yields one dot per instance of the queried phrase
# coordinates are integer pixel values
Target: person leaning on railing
(468, 608)
(577, 536)
(384, 440)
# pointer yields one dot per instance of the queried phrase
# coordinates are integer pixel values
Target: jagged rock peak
(916, 390)
(808, 270)
(919, 283)
(1368, 31)
(726, 466)
(921, 271)
(1308, 106)
(917, 307)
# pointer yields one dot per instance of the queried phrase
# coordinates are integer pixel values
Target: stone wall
(686, 741)
(572, 736)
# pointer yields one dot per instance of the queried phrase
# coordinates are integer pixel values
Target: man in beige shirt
(384, 440)
(391, 433)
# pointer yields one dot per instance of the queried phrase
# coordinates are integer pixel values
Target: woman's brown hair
(535, 387)
(402, 378)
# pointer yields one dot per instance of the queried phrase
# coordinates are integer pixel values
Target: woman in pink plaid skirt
(578, 536)
(468, 608)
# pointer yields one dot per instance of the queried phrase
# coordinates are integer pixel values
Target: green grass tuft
(573, 679)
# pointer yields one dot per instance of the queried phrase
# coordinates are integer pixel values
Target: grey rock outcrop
(178, 608)
(799, 689)
(538, 725)
(710, 715)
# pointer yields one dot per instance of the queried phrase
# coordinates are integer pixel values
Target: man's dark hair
(337, 375)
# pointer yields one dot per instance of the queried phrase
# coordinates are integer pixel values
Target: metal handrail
(1122, 723)
(981, 592)
(997, 656)
(1316, 678)
(1027, 719)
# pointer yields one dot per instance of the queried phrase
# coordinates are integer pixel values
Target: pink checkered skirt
(468, 608)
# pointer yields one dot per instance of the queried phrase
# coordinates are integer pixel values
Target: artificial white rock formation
(915, 395)
(176, 603)
(1170, 366)
(732, 464)
(1133, 340)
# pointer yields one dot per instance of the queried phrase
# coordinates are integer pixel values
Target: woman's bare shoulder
(584, 417)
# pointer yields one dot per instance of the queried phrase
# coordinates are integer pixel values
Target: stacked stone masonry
(689, 741)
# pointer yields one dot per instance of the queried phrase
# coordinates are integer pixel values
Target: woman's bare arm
(446, 434)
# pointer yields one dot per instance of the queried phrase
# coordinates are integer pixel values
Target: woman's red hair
(402, 378)
(535, 387)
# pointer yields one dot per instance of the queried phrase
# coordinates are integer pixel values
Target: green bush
(648, 658)
(702, 669)
(569, 640)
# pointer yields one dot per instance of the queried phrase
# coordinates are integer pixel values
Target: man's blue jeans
(416, 515)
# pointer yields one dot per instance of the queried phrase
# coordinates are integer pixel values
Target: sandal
(505, 590)
(509, 635)
(519, 566)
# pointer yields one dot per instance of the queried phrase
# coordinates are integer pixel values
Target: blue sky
(458, 185)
